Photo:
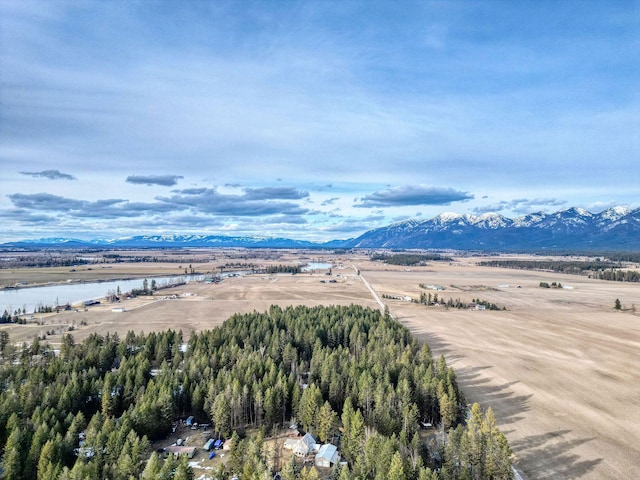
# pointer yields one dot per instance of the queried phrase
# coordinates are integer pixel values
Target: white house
(327, 456)
(305, 445)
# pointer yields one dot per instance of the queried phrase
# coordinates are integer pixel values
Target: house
(327, 456)
(181, 450)
(305, 445)
(290, 443)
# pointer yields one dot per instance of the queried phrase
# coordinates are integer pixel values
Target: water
(316, 266)
(53, 295)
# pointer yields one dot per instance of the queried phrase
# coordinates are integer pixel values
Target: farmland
(559, 366)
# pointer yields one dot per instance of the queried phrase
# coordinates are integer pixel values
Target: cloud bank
(50, 174)
(408, 195)
(162, 180)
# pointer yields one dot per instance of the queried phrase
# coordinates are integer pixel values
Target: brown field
(560, 368)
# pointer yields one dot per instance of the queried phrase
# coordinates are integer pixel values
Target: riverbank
(30, 277)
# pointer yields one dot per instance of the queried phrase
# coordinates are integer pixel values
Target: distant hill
(617, 228)
(164, 241)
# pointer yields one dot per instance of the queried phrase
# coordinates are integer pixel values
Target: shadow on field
(439, 346)
(549, 456)
(477, 387)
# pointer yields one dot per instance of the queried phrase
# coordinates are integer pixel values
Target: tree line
(602, 270)
(347, 374)
(428, 299)
(408, 259)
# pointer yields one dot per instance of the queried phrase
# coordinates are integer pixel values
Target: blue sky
(311, 120)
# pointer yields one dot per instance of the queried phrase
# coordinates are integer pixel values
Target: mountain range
(616, 228)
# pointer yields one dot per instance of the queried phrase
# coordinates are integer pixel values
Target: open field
(158, 263)
(560, 367)
(201, 306)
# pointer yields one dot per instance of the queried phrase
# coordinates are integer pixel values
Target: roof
(308, 440)
(180, 450)
(305, 444)
(327, 451)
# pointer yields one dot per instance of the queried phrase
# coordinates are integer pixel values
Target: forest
(409, 259)
(347, 373)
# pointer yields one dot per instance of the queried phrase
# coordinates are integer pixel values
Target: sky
(312, 120)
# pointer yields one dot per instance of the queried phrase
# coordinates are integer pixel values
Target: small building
(189, 452)
(305, 445)
(327, 456)
(84, 451)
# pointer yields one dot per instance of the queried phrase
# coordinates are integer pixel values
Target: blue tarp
(211, 455)
(217, 444)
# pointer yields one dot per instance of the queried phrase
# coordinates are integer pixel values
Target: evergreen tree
(310, 403)
(396, 469)
(289, 472)
(184, 470)
(327, 421)
(152, 468)
(221, 416)
(48, 464)
(12, 460)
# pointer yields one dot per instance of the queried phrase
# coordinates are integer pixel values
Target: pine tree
(48, 464)
(289, 470)
(310, 403)
(184, 470)
(345, 474)
(152, 468)
(353, 440)
(427, 474)
(396, 469)
(327, 421)
(12, 460)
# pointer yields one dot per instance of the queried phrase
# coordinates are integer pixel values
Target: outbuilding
(189, 452)
(327, 456)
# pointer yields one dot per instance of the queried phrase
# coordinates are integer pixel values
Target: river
(74, 293)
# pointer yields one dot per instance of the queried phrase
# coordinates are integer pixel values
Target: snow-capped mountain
(165, 241)
(617, 228)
